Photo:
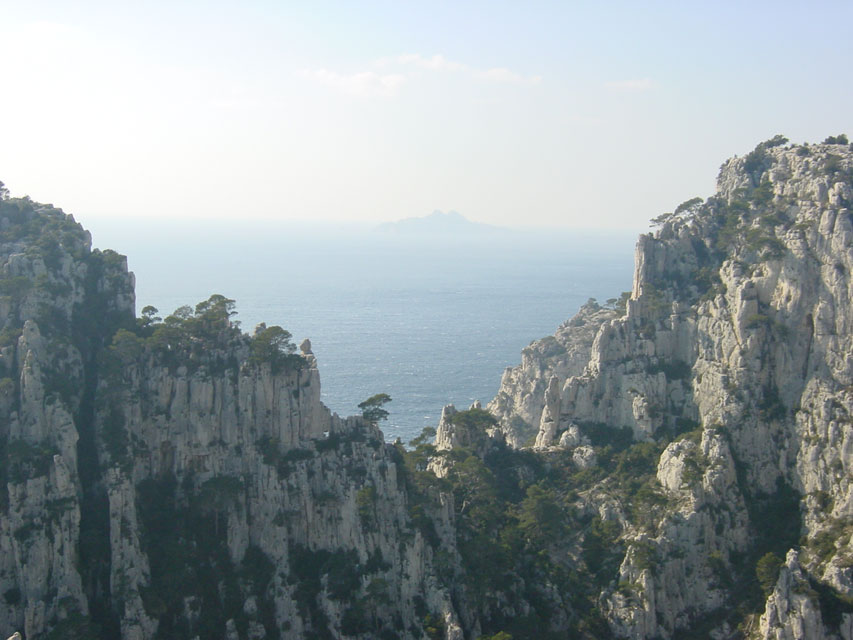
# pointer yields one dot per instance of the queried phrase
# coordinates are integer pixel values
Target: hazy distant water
(430, 321)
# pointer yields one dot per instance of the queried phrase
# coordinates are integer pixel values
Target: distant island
(438, 222)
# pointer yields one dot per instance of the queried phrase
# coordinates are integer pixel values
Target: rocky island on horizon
(439, 223)
(673, 463)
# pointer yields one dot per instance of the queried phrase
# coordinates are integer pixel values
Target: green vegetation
(190, 561)
(365, 503)
(620, 304)
(601, 553)
(372, 408)
(205, 338)
(758, 160)
(115, 437)
(12, 596)
(218, 494)
(839, 139)
(776, 141)
(75, 625)
(540, 516)
(16, 287)
(273, 345)
(473, 419)
(767, 571)
(25, 460)
(284, 463)
(686, 211)
(688, 205)
(515, 519)
(823, 546)
(339, 576)
(535, 533)
(672, 369)
(42, 228)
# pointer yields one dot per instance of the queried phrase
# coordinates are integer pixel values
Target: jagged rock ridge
(735, 347)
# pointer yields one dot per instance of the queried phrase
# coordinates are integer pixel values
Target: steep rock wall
(738, 323)
(256, 453)
(178, 478)
(52, 285)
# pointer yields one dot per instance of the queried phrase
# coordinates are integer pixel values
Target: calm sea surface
(428, 320)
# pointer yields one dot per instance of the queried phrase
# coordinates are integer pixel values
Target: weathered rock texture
(179, 478)
(528, 400)
(688, 474)
(738, 327)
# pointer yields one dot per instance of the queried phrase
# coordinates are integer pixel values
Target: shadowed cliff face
(687, 474)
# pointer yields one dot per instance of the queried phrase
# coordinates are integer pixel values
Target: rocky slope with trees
(177, 478)
(730, 364)
(674, 463)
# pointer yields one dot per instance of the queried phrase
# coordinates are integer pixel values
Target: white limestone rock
(792, 611)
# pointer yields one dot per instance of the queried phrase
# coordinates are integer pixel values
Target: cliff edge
(732, 353)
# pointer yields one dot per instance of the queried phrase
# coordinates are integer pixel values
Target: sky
(569, 114)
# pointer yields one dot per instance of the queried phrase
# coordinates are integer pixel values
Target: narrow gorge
(673, 463)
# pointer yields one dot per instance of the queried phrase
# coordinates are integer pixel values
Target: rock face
(738, 330)
(793, 610)
(676, 463)
(53, 286)
(255, 454)
(179, 478)
(524, 405)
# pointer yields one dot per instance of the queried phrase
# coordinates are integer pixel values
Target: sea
(430, 319)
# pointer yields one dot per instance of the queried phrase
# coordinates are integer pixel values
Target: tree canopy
(273, 345)
(839, 139)
(371, 409)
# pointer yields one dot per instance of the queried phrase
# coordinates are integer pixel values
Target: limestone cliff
(735, 348)
(528, 396)
(179, 478)
(59, 302)
(674, 463)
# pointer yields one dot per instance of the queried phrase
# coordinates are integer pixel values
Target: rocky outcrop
(738, 325)
(467, 430)
(52, 286)
(793, 610)
(521, 401)
(179, 478)
(263, 461)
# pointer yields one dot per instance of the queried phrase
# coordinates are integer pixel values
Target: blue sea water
(428, 320)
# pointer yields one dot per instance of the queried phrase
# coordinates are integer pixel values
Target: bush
(776, 141)
(473, 419)
(365, 501)
(763, 193)
(12, 596)
(27, 460)
(757, 320)
(756, 163)
(16, 287)
(673, 370)
(767, 571)
(600, 551)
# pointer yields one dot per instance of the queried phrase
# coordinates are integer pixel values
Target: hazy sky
(524, 113)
